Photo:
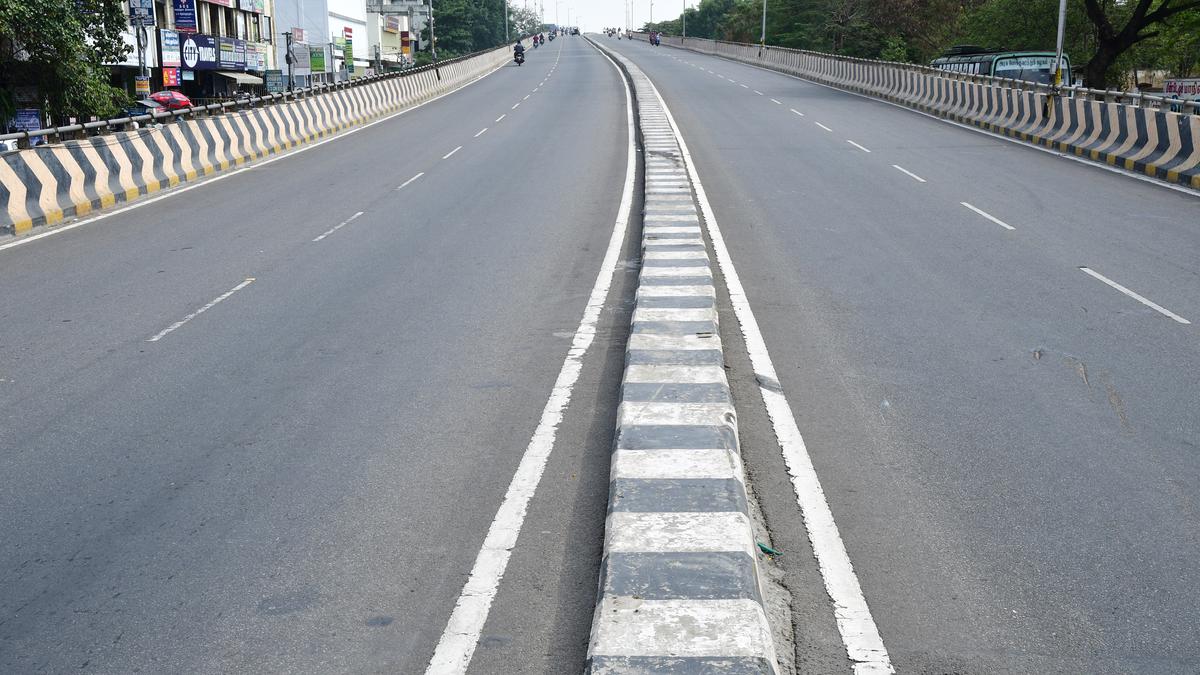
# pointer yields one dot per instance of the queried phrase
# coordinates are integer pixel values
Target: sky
(595, 15)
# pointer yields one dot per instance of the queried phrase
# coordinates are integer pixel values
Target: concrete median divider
(45, 184)
(680, 589)
(1130, 131)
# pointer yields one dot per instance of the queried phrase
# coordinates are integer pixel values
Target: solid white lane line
(776, 102)
(1145, 301)
(859, 633)
(173, 327)
(447, 155)
(501, 117)
(226, 174)
(480, 132)
(461, 635)
(796, 111)
(908, 173)
(989, 216)
(822, 126)
(347, 221)
(857, 145)
(405, 183)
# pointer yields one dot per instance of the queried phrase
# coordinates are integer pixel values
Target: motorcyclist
(518, 50)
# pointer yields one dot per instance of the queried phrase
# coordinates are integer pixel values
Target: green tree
(1120, 26)
(466, 26)
(60, 48)
(1105, 36)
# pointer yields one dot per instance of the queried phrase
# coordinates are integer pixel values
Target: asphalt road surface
(298, 477)
(1009, 443)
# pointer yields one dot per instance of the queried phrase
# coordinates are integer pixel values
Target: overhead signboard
(141, 12)
(300, 59)
(317, 58)
(185, 15)
(274, 81)
(232, 53)
(387, 7)
(199, 52)
(171, 56)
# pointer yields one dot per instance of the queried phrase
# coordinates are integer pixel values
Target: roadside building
(323, 33)
(208, 49)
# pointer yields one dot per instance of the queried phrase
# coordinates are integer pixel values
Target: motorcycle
(519, 58)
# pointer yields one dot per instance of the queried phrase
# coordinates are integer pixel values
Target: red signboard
(348, 32)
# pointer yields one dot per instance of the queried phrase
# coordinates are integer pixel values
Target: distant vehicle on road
(1027, 66)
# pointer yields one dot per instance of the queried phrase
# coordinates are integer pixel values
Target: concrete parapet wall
(1149, 140)
(44, 185)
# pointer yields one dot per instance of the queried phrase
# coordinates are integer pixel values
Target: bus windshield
(1039, 68)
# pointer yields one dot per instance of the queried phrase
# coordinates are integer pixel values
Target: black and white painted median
(679, 582)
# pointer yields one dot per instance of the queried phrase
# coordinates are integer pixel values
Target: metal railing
(155, 116)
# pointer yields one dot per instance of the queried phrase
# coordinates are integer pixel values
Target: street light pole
(433, 43)
(684, 19)
(1058, 49)
(287, 38)
(762, 37)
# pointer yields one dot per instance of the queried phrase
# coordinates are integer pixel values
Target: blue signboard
(185, 16)
(232, 54)
(28, 119)
(141, 12)
(199, 52)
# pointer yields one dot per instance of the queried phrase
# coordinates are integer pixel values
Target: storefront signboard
(170, 48)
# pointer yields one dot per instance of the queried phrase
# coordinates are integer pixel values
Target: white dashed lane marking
(908, 173)
(501, 117)
(796, 111)
(858, 146)
(480, 132)
(822, 126)
(339, 226)
(448, 154)
(170, 329)
(405, 183)
(989, 216)
(1145, 301)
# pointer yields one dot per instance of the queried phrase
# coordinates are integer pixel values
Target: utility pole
(287, 39)
(433, 43)
(505, 21)
(1058, 49)
(684, 19)
(762, 38)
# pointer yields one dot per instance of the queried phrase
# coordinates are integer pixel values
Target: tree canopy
(1105, 38)
(60, 49)
(465, 26)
